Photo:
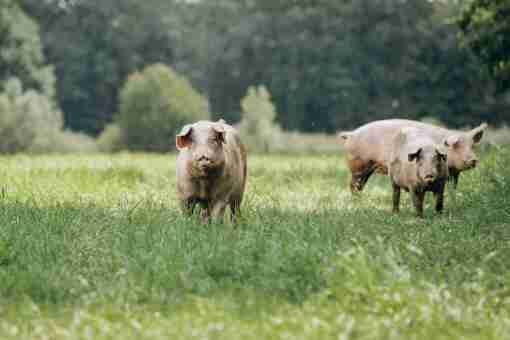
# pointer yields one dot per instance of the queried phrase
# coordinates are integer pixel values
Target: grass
(94, 247)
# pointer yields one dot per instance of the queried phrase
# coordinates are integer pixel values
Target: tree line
(327, 64)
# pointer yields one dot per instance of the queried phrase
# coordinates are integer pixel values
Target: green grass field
(93, 247)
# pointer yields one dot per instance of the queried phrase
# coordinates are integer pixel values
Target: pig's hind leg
(396, 198)
(361, 172)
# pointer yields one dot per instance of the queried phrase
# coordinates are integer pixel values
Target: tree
(94, 46)
(154, 105)
(486, 30)
(337, 64)
(21, 53)
(257, 126)
(328, 64)
(28, 121)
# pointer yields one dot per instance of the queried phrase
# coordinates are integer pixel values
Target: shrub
(26, 118)
(257, 126)
(111, 139)
(68, 141)
(29, 122)
(154, 104)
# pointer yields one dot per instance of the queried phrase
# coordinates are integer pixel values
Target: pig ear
(477, 133)
(183, 139)
(343, 135)
(414, 156)
(452, 141)
(220, 132)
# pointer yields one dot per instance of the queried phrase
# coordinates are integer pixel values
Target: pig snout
(203, 162)
(429, 178)
(207, 163)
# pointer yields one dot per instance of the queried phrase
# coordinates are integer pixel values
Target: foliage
(257, 127)
(329, 65)
(154, 104)
(29, 122)
(111, 139)
(94, 247)
(95, 44)
(334, 65)
(21, 53)
(486, 30)
(68, 141)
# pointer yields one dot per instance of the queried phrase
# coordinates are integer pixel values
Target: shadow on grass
(64, 253)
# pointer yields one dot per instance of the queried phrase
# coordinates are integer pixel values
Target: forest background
(128, 73)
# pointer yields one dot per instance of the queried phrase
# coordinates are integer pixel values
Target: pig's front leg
(439, 194)
(218, 210)
(418, 196)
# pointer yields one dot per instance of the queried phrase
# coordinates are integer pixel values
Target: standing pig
(417, 164)
(211, 169)
(367, 148)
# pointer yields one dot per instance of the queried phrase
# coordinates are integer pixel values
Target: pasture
(93, 247)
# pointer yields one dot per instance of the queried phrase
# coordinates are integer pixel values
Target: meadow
(93, 247)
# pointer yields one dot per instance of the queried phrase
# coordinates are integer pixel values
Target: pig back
(372, 142)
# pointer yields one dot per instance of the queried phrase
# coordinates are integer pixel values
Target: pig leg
(218, 210)
(454, 176)
(361, 172)
(439, 194)
(396, 198)
(188, 206)
(205, 212)
(235, 209)
(453, 180)
(418, 197)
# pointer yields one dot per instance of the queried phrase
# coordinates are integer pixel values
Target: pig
(211, 169)
(417, 164)
(367, 148)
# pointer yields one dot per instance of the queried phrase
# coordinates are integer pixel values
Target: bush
(27, 118)
(29, 122)
(257, 126)
(111, 139)
(154, 104)
(68, 141)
